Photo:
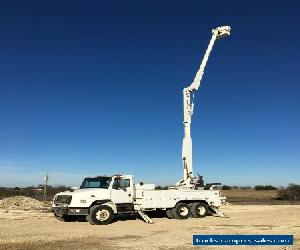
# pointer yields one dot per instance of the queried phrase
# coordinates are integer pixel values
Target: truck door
(122, 190)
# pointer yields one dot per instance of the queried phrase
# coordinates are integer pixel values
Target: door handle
(129, 195)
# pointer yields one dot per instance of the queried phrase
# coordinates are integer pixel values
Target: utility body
(101, 198)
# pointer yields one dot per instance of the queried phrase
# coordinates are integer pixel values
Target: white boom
(188, 107)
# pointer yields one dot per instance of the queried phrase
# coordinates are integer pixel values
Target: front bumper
(61, 211)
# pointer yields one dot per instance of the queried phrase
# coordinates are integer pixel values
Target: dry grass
(255, 197)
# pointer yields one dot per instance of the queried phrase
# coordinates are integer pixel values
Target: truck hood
(85, 197)
(84, 191)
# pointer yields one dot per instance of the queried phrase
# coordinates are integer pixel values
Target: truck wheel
(181, 211)
(170, 214)
(199, 210)
(101, 215)
(88, 218)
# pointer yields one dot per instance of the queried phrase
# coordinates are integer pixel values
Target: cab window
(121, 183)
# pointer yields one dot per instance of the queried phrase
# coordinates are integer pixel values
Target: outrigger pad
(218, 212)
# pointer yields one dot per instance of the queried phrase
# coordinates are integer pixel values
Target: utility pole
(45, 187)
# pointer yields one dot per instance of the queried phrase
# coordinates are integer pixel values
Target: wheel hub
(201, 210)
(184, 211)
(102, 215)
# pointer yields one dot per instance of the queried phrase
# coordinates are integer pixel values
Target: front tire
(181, 211)
(101, 215)
(88, 218)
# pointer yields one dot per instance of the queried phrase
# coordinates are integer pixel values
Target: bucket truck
(102, 198)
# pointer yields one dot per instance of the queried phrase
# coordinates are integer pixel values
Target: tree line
(291, 192)
(36, 192)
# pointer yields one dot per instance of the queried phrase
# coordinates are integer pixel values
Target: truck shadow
(125, 217)
(151, 214)
(133, 216)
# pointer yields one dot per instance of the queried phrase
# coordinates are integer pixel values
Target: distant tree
(270, 187)
(226, 187)
(262, 187)
(259, 187)
(292, 192)
(32, 191)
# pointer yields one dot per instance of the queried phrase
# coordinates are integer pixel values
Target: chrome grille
(63, 199)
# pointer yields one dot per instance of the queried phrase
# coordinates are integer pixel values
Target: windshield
(97, 182)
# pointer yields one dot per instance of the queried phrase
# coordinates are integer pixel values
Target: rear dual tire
(198, 210)
(169, 214)
(181, 212)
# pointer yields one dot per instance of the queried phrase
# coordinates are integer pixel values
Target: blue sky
(95, 87)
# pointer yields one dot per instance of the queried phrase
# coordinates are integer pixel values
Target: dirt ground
(39, 230)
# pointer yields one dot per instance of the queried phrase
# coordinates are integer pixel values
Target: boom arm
(217, 33)
(188, 106)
